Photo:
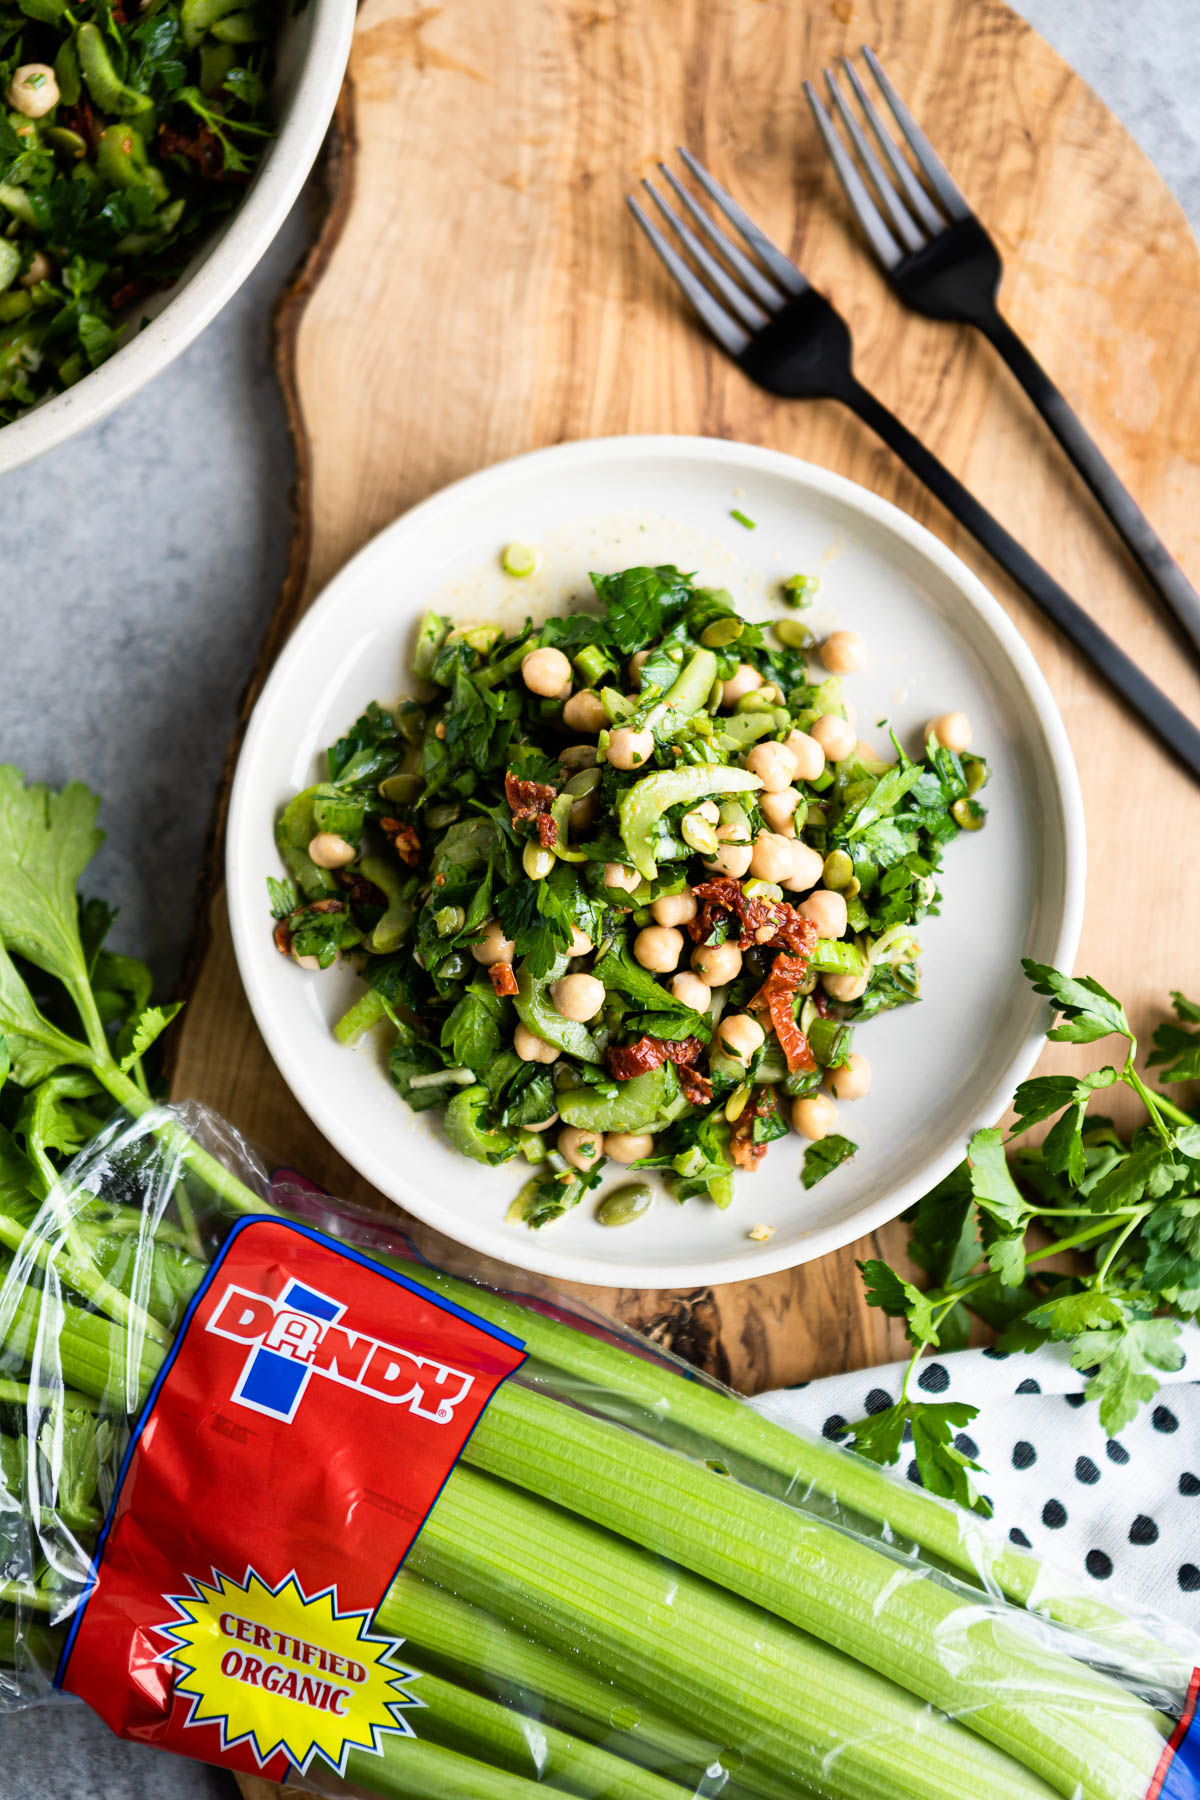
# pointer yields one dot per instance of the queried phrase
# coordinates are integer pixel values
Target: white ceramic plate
(937, 640)
(314, 46)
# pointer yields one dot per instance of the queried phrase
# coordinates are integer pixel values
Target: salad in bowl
(621, 886)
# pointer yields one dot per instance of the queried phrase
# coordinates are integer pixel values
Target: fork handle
(1174, 729)
(1147, 548)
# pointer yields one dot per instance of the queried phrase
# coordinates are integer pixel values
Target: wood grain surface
(478, 290)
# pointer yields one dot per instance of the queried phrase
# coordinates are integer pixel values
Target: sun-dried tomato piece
(697, 1088)
(504, 982)
(744, 1152)
(763, 922)
(776, 997)
(201, 146)
(404, 841)
(547, 831)
(81, 118)
(359, 891)
(645, 1053)
(526, 799)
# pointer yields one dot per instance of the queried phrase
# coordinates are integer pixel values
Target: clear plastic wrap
(618, 1580)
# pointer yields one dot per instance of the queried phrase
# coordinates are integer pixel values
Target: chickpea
(852, 1080)
(808, 866)
(658, 948)
(866, 751)
(547, 672)
(630, 749)
(717, 963)
(493, 946)
(779, 810)
(329, 851)
(689, 990)
(744, 680)
(439, 730)
(584, 711)
(845, 988)
(532, 1048)
(836, 736)
(814, 1116)
(740, 1036)
(773, 856)
(580, 943)
(733, 857)
(581, 1148)
(33, 90)
(312, 962)
(628, 1146)
(616, 875)
(578, 997)
(952, 731)
(810, 758)
(637, 663)
(843, 652)
(827, 910)
(41, 268)
(774, 765)
(675, 909)
(542, 1124)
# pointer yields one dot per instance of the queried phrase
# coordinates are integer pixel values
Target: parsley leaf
(1088, 1010)
(1176, 1046)
(995, 1191)
(641, 604)
(944, 1468)
(899, 1299)
(1127, 1361)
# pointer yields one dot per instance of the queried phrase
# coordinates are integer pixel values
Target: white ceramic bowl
(313, 50)
(937, 641)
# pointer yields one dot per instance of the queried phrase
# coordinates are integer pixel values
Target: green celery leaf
(35, 1047)
(995, 1191)
(1129, 1361)
(47, 840)
(147, 1027)
(1087, 1010)
(824, 1156)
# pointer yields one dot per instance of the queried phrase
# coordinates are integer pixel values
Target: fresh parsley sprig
(1130, 1209)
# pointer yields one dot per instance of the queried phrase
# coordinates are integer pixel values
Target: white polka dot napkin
(1123, 1513)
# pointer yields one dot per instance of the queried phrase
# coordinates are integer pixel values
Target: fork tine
(782, 268)
(903, 223)
(869, 216)
(728, 333)
(755, 280)
(918, 200)
(748, 311)
(935, 170)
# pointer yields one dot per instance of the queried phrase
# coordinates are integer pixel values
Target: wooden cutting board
(477, 289)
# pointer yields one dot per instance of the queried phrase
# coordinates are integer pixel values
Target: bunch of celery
(631, 1585)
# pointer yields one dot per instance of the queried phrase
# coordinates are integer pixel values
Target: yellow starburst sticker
(284, 1671)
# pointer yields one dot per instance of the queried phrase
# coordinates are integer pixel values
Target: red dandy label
(309, 1413)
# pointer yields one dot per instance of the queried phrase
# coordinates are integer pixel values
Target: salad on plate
(622, 885)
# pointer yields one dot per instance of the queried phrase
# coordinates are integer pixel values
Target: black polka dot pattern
(877, 1401)
(1098, 1565)
(914, 1474)
(1017, 1536)
(1163, 1419)
(834, 1427)
(1116, 1453)
(966, 1446)
(1189, 1578)
(1075, 1400)
(1054, 1515)
(995, 1355)
(1189, 1484)
(934, 1379)
(1143, 1530)
(1023, 1454)
(1086, 1471)
(1029, 1386)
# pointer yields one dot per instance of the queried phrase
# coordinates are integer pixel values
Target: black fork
(791, 341)
(941, 262)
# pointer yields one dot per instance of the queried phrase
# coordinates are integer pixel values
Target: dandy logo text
(301, 1336)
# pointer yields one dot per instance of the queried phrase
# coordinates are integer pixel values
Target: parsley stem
(1132, 1079)
(1110, 1254)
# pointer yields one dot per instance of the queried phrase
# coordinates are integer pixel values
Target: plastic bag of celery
(629, 1585)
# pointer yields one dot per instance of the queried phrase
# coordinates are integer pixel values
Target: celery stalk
(411, 1769)
(481, 1650)
(705, 1419)
(808, 1714)
(1078, 1730)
